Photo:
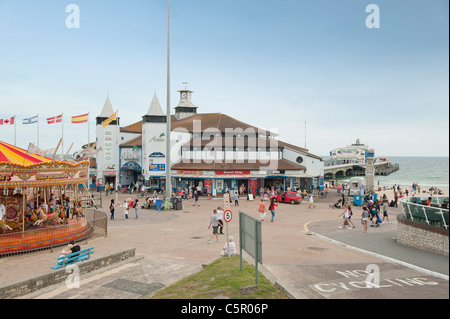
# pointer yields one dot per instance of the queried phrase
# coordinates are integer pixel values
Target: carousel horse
(4, 225)
(42, 217)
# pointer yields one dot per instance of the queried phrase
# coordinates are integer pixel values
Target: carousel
(42, 200)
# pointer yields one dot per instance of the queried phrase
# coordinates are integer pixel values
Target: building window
(299, 160)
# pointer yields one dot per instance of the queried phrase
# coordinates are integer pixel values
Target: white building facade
(212, 151)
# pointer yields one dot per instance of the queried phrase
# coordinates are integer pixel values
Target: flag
(113, 117)
(9, 121)
(30, 120)
(55, 119)
(80, 119)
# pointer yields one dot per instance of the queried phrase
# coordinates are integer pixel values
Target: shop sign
(232, 172)
(190, 172)
(157, 167)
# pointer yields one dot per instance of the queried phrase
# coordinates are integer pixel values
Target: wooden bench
(73, 258)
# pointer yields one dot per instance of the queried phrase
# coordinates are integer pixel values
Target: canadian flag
(9, 121)
(55, 119)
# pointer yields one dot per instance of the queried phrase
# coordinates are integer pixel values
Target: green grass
(222, 278)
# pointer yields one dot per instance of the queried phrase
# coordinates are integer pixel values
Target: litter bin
(159, 203)
(358, 201)
(177, 203)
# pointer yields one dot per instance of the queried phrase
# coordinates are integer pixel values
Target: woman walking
(347, 213)
(262, 210)
(272, 206)
(365, 218)
(112, 209)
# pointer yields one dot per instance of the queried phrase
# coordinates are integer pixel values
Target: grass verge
(223, 277)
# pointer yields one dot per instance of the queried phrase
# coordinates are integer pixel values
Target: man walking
(214, 222)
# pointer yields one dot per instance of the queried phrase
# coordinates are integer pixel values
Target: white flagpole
(62, 135)
(89, 129)
(38, 130)
(15, 130)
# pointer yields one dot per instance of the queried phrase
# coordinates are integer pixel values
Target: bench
(73, 258)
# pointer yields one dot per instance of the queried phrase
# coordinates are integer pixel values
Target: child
(364, 218)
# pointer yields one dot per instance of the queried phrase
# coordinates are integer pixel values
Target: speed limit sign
(228, 216)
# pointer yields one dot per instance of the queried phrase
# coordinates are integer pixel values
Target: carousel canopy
(19, 169)
(10, 154)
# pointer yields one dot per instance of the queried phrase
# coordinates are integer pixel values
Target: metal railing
(415, 209)
(53, 236)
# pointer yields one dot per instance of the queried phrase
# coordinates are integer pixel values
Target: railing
(415, 209)
(53, 236)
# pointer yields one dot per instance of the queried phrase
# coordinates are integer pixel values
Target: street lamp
(168, 128)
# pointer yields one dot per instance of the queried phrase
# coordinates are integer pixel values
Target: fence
(54, 236)
(437, 214)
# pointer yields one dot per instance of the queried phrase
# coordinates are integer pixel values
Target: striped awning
(10, 154)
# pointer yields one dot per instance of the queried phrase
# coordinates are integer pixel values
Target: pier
(359, 169)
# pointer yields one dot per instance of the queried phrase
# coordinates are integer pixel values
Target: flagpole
(89, 129)
(15, 126)
(38, 130)
(62, 134)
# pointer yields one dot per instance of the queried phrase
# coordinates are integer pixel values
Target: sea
(425, 171)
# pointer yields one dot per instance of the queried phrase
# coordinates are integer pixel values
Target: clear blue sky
(266, 63)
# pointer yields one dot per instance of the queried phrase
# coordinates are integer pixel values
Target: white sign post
(228, 216)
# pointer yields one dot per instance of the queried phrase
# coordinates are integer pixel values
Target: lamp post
(168, 128)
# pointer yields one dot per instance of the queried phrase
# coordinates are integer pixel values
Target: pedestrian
(273, 204)
(214, 223)
(365, 218)
(385, 210)
(261, 192)
(107, 189)
(136, 207)
(236, 199)
(126, 207)
(311, 202)
(112, 208)
(196, 196)
(262, 210)
(347, 215)
(220, 218)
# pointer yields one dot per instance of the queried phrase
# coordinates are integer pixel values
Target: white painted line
(429, 272)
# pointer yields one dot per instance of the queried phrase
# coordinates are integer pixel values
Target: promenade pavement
(303, 251)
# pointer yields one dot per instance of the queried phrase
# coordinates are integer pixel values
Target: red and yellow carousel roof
(10, 154)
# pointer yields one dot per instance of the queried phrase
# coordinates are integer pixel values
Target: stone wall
(57, 276)
(422, 236)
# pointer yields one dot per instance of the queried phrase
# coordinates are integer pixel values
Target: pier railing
(437, 214)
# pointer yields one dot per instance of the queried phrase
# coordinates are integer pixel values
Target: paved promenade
(303, 250)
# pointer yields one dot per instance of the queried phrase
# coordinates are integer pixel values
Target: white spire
(155, 107)
(107, 108)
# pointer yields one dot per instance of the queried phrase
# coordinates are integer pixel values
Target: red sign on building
(232, 172)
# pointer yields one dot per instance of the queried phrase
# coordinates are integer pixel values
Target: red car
(288, 197)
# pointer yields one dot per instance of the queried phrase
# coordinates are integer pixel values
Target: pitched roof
(155, 108)
(134, 142)
(133, 128)
(219, 121)
(107, 110)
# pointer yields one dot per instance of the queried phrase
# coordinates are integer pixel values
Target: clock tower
(185, 107)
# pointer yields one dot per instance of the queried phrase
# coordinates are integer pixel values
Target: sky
(274, 64)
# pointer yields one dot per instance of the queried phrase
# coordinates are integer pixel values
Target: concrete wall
(422, 236)
(58, 276)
